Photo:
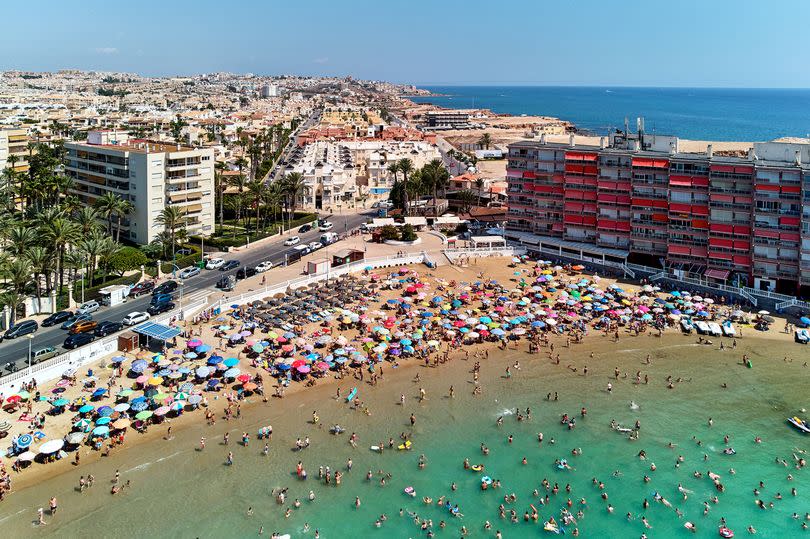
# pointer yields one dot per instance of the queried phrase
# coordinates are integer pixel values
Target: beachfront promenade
(430, 249)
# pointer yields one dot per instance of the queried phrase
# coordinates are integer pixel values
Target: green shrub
(127, 259)
(408, 233)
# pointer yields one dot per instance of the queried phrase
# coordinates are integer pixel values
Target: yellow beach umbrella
(155, 381)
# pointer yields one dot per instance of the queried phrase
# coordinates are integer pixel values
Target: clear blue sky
(748, 43)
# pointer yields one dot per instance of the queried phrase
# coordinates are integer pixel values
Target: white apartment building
(373, 157)
(329, 174)
(150, 174)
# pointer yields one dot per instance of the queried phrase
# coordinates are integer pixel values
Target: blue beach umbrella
(138, 365)
(190, 355)
(214, 382)
(58, 403)
(231, 362)
(203, 348)
(24, 440)
(103, 420)
(103, 430)
(118, 359)
(105, 411)
(87, 408)
(202, 372)
(139, 406)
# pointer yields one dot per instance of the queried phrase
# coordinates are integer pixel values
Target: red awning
(717, 274)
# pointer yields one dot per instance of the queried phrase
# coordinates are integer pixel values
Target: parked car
(161, 298)
(107, 327)
(229, 265)
(58, 318)
(226, 283)
(43, 354)
(315, 245)
(21, 328)
(364, 228)
(160, 308)
(141, 289)
(292, 240)
(326, 226)
(165, 288)
(79, 339)
(263, 266)
(135, 317)
(76, 319)
(88, 307)
(83, 327)
(214, 263)
(304, 228)
(245, 272)
(189, 272)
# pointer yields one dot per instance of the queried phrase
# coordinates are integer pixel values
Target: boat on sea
(686, 325)
(728, 329)
(715, 330)
(800, 424)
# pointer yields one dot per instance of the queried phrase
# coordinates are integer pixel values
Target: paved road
(17, 350)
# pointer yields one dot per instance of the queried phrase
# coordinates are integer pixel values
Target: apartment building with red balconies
(737, 219)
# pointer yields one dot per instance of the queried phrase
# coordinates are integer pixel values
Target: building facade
(738, 219)
(151, 175)
(14, 142)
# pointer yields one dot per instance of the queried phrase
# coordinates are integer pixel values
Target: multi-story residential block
(636, 197)
(14, 142)
(152, 175)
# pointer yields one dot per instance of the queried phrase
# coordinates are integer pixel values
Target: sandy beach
(599, 352)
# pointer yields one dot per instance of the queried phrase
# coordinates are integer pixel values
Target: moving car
(135, 317)
(315, 245)
(245, 272)
(83, 327)
(79, 339)
(21, 328)
(214, 263)
(165, 288)
(76, 319)
(263, 266)
(140, 289)
(160, 308)
(304, 228)
(189, 272)
(43, 354)
(107, 327)
(229, 265)
(303, 249)
(88, 307)
(57, 318)
(292, 240)
(326, 226)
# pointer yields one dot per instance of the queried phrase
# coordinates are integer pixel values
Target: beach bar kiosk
(114, 295)
(487, 242)
(346, 256)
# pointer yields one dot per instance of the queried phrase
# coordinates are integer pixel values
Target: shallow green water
(181, 492)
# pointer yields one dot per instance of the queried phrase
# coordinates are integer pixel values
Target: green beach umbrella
(181, 396)
(125, 392)
(146, 414)
(24, 395)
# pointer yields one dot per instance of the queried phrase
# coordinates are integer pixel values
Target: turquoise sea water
(690, 113)
(178, 491)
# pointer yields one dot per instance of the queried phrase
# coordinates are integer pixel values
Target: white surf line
(21, 511)
(168, 456)
(138, 467)
(633, 350)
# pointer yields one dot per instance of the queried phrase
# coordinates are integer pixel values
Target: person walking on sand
(41, 515)
(202, 443)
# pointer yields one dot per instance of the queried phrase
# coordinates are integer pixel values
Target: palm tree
(107, 204)
(58, 233)
(109, 248)
(18, 274)
(91, 248)
(466, 199)
(20, 238)
(485, 141)
(293, 185)
(405, 167)
(219, 187)
(125, 207)
(13, 300)
(87, 218)
(40, 261)
(256, 190)
(172, 218)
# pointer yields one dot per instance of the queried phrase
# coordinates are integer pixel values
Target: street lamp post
(30, 341)
(182, 285)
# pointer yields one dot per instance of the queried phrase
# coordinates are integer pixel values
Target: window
(132, 198)
(206, 158)
(133, 185)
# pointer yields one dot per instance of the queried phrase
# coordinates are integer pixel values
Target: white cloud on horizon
(321, 60)
(106, 50)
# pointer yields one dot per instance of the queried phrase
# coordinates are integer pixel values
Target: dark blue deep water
(690, 113)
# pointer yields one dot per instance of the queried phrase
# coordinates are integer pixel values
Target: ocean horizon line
(536, 85)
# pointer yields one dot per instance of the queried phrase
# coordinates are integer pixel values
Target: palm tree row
(46, 235)
(428, 180)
